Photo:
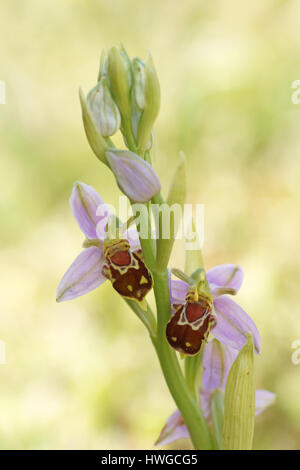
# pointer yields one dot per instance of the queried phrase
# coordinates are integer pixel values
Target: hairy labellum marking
(190, 325)
(126, 270)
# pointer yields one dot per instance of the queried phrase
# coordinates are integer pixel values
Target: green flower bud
(120, 79)
(103, 110)
(94, 137)
(150, 101)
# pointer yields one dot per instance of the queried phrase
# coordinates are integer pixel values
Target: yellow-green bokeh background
(83, 374)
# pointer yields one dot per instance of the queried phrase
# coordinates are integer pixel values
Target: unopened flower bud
(103, 109)
(120, 79)
(151, 105)
(135, 177)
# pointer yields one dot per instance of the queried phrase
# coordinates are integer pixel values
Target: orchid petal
(263, 399)
(178, 292)
(233, 324)
(135, 177)
(217, 361)
(84, 275)
(173, 430)
(89, 210)
(225, 276)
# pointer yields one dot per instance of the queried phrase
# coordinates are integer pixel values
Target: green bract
(151, 106)
(94, 137)
(120, 79)
(240, 401)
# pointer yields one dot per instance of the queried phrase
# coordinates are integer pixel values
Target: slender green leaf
(240, 401)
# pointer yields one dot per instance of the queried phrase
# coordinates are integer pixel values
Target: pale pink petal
(178, 291)
(233, 324)
(216, 362)
(173, 430)
(226, 276)
(83, 276)
(263, 399)
(89, 210)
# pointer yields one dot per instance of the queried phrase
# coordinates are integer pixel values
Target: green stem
(146, 317)
(192, 367)
(184, 399)
(148, 244)
(152, 242)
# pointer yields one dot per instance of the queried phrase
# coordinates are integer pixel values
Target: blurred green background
(82, 374)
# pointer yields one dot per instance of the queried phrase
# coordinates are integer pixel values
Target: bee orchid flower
(118, 260)
(196, 316)
(216, 362)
